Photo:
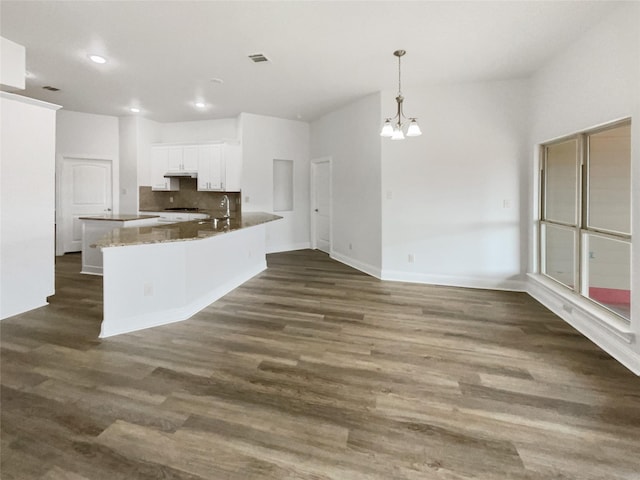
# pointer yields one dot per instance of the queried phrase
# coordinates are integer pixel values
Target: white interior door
(321, 205)
(85, 189)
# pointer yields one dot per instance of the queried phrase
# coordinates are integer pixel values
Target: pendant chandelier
(395, 129)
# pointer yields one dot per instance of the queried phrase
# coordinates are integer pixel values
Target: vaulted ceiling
(164, 56)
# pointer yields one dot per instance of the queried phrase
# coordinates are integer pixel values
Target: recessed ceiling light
(97, 59)
(134, 110)
(200, 104)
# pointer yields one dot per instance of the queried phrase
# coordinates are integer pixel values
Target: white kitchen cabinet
(159, 167)
(183, 158)
(210, 168)
(219, 168)
(190, 158)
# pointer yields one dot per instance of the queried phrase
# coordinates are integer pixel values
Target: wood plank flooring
(313, 370)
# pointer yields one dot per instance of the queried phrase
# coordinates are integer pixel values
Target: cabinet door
(159, 166)
(175, 159)
(209, 167)
(232, 160)
(190, 158)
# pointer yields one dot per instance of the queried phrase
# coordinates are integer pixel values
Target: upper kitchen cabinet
(219, 167)
(210, 168)
(159, 167)
(183, 158)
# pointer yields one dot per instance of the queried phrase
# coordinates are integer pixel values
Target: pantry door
(321, 204)
(85, 190)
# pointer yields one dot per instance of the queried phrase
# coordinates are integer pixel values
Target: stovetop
(182, 209)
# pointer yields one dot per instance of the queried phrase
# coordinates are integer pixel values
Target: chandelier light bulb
(397, 134)
(387, 129)
(414, 129)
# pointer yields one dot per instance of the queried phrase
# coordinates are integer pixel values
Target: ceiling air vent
(51, 89)
(258, 57)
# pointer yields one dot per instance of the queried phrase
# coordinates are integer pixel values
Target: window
(585, 221)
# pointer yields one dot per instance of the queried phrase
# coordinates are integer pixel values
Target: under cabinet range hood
(181, 175)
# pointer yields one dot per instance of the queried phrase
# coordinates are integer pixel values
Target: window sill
(568, 301)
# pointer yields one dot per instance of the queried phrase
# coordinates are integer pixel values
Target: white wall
(199, 131)
(12, 64)
(350, 137)
(453, 197)
(27, 202)
(596, 80)
(148, 133)
(128, 138)
(263, 140)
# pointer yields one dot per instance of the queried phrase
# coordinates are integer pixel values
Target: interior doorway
(321, 205)
(84, 188)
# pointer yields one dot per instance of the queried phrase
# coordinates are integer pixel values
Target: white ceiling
(163, 55)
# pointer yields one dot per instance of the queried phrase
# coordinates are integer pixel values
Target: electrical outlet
(411, 258)
(506, 203)
(246, 199)
(170, 199)
(350, 247)
(148, 289)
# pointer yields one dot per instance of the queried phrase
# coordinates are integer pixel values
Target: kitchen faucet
(225, 204)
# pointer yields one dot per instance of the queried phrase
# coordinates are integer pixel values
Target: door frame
(312, 193)
(59, 213)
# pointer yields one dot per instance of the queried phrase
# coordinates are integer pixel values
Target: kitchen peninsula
(154, 275)
(95, 227)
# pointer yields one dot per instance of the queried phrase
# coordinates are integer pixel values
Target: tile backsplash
(188, 196)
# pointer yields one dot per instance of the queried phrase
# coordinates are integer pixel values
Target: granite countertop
(183, 231)
(118, 217)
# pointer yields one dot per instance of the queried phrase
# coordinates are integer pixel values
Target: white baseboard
(165, 317)
(612, 335)
(357, 264)
(496, 283)
(88, 270)
(288, 248)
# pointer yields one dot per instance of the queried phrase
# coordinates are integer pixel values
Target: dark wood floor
(313, 370)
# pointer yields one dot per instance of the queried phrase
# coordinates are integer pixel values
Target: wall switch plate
(411, 258)
(350, 247)
(246, 199)
(148, 289)
(170, 199)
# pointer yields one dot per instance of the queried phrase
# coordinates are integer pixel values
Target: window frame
(581, 227)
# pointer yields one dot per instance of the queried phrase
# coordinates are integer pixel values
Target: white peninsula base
(154, 284)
